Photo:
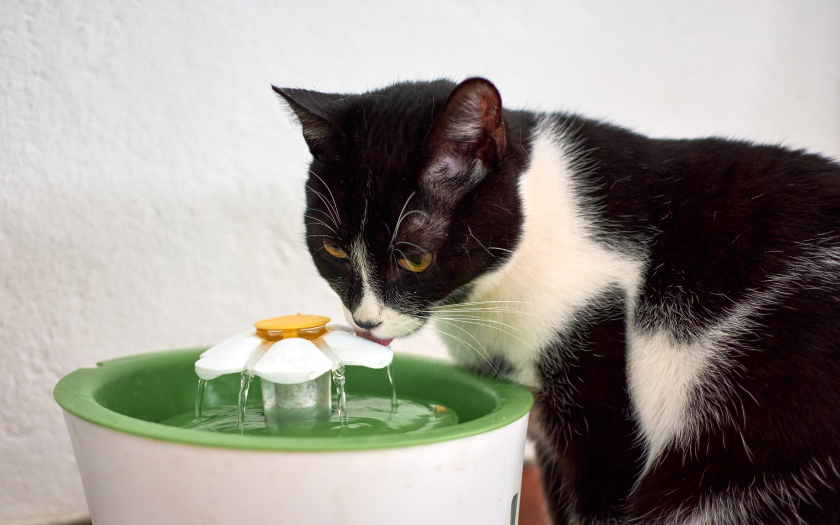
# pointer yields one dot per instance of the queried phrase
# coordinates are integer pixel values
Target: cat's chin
(370, 337)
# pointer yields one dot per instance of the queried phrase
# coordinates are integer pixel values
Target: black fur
(718, 223)
(588, 451)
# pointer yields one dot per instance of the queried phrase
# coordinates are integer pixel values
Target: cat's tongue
(367, 335)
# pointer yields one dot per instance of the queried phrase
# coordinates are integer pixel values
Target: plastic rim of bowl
(87, 392)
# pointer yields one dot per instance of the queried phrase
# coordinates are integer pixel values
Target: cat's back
(711, 218)
(643, 183)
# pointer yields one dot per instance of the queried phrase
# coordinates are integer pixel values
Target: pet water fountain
(401, 439)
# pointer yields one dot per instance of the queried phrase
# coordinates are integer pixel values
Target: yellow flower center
(299, 325)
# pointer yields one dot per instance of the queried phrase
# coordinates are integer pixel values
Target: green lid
(131, 393)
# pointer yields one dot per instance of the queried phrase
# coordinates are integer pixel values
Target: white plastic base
(130, 480)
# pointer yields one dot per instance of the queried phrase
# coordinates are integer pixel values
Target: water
(341, 395)
(355, 415)
(364, 415)
(244, 385)
(199, 397)
(394, 402)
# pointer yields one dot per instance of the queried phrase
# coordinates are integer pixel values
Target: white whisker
(501, 249)
(479, 242)
(479, 320)
(411, 244)
(400, 217)
(495, 328)
(490, 311)
(335, 206)
(325, 213)
(465, 343)
(325, 225)
(488, 302)
(333, 213)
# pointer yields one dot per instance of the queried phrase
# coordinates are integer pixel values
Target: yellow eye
(416, 263)
(335, 251)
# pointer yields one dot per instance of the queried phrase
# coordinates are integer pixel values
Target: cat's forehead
(386, 128)
(375, 180)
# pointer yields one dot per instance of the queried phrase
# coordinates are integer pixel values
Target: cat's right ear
(465, 141)
(313, 109)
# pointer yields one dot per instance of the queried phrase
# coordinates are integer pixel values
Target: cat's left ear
(313, 110)
(466, 139)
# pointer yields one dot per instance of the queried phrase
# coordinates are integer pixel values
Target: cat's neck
(556, 269)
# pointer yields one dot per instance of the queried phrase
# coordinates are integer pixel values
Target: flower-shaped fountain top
(291, 349)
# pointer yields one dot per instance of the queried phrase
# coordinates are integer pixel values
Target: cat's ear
(313, 110)
(465, 140)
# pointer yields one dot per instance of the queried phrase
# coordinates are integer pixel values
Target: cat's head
(411, 195)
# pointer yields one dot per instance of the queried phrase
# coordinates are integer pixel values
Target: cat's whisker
(455, 308)
(493, 327)
(404, 257)
(487, 311)
(331, 207)
(485, 352)
(402, 216)
(485, 305)
(332, 197)
(423, 332)
(479, 320)
(320, 222)
(335, 205)
(412, 244)
(399, 217)
(421, 212)
(479, 242)
(325, 213)
(500, 249)
(332, 214)
(447, 334)
(466, 303)
(476, 323)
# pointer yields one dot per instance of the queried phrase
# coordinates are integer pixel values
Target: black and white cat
(673, 304)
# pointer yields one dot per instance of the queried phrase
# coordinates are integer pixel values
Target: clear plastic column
(298, 402)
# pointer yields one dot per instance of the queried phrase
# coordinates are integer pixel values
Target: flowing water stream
(338, 377)
(199, 397)
(394, 402)
(244, 385)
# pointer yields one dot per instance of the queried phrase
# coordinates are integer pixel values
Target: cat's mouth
(392, 325)
(370, 337)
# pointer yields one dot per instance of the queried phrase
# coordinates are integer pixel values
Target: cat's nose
(367, 326)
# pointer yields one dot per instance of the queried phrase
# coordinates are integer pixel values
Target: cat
(674, 305)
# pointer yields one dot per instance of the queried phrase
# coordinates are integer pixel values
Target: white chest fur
(518, 310)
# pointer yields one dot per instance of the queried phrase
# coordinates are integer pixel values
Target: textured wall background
(151, 186)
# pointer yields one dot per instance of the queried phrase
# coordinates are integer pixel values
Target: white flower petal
(233, 357)
(357, 351)
(323, 347)
(218, 346)
(291, 361)
(335, 327)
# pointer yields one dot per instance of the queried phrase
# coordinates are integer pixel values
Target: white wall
(151, 186)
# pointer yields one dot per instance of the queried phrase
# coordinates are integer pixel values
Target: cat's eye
(416, 263)
(335, 251)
